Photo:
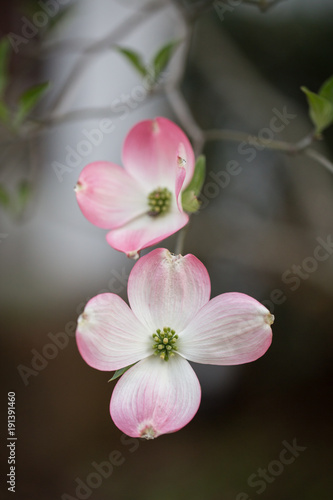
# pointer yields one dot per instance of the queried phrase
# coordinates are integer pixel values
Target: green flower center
(165, 345)
(159, 202)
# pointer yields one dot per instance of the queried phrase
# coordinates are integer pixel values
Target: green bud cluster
(165, 343)
(159, 201)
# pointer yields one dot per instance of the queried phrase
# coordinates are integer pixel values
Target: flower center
(159, 202)
(165, 343)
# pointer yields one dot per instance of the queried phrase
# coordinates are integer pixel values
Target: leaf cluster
(153, 70)
(321, 106)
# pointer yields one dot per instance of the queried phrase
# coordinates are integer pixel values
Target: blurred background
(236, 67)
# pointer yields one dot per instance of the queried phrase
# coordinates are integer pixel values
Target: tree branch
(320, 159)
(130, 23)
(236, 136)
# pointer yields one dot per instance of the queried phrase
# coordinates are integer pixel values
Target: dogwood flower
(140, 203)
(171, 320)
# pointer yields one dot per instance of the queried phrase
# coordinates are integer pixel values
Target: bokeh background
(233, 67)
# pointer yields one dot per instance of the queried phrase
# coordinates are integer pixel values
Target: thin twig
(205, 6)
(69, 45)
(320, 159)
(131, 22)
(175, 97)
(78, 114)
(88, 113)
(237, 136)
(185, 117)
(80, 44)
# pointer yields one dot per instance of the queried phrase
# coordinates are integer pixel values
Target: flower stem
(181, 240)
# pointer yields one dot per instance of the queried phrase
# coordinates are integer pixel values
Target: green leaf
(120, 372)
(163, 56)
(4, 56)
(190, 200)
(135, 59)
(326, 90)
(28, 100)
(199, 175)
(320, 110)
(4, 197)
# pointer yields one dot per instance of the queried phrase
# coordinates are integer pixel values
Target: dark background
(267, 220)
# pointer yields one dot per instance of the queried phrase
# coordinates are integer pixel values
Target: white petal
(167, 290)
(155, 397)
(108, 196)
(145, 231)
(109, 336)
(231, 329)
(151, 150)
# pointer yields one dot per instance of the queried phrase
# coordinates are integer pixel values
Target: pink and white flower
(140, 203)
(171, 320)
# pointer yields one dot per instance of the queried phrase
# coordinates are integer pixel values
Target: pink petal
(180, 178)
(109, 336)
(146, 231)
(155, 397)
(108, 196)
(151, 151)
(167, 290)
(231, 329)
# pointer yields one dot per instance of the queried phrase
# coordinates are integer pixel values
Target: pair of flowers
(171, 318)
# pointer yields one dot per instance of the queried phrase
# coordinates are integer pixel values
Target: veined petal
(166, 290)
(108, 196)
(109, 336)
(231, 329)
(146, 231)
(152, 150)
(155, 397)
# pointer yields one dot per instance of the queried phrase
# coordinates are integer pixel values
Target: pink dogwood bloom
(171, 320)
(140, 203)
